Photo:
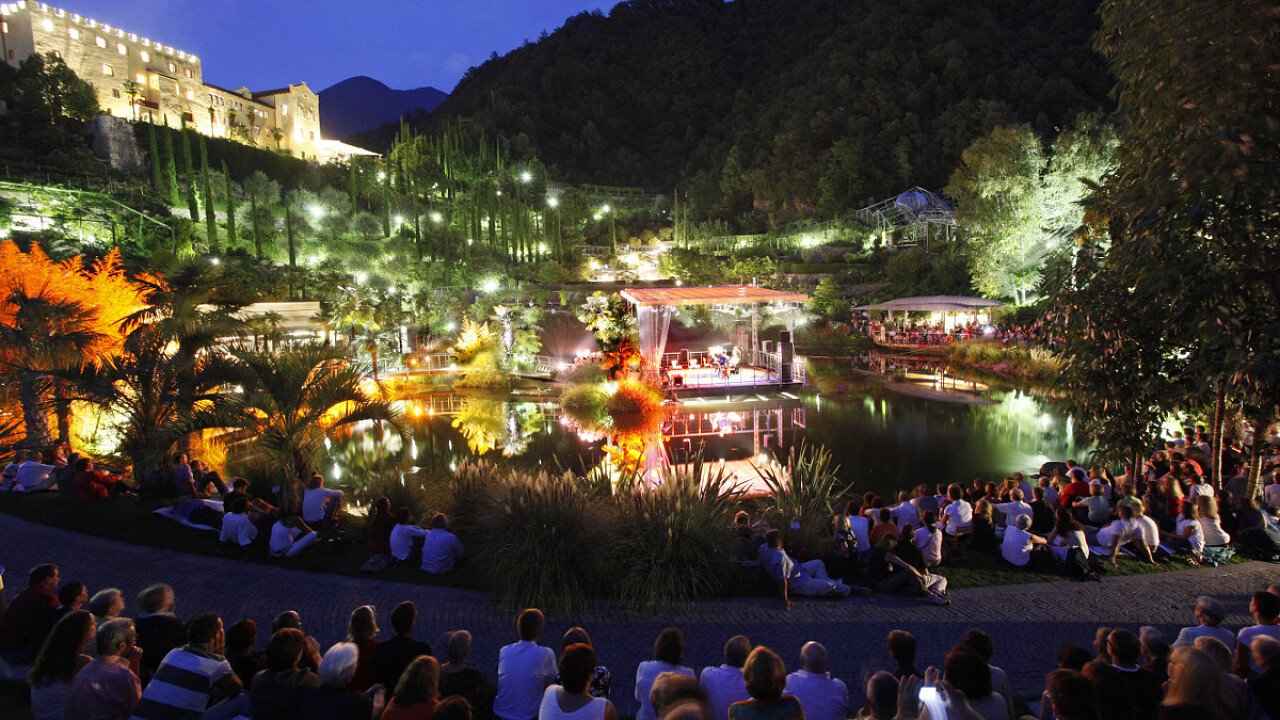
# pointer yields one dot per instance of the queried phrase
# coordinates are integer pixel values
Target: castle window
(101, 42)
(115, 92)
(191, 95)
(47, 25)
(173, 68)
(146, 56)
(73, 33)
(122, 48)
(57, 54)
(108, 70)
(190, 73)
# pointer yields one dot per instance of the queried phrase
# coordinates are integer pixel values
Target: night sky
(403, 43)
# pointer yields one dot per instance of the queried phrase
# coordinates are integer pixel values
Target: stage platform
(701, 380)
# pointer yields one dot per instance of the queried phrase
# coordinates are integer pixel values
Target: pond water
(882, 442)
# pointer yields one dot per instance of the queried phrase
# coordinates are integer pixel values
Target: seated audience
(822, 696)
(970, 675)
(884, 526)
(1015, 508)
(1019, 547)
(891, 573)
(525, 669)
(1209, 614)
(928, 540)
(441, 549)
(1265, 686)
(403, 535)
(381, 522)
(668, 653)
(90, 484)
(362, 631)
(1070, 695)
(61, 657)
(394, 655)
(793, 578)
(291, 535)
(1265, 608)
(417, 692)
(276, 692)
(108, 687)
(241, 637)
(981, 643)
(1124, 532)
(105, 605)
(1097, 511)
(905, 513)
(458, 679)
(572, 698)
(882, 698)
(1141, 686)
(766, 679)
(332, 700)
(602, 679)
(321, 506)
(957, 516)
(30, 617)
(237, 527)
(158, 629)
(1194, 691)
(194, 678)
(724, 684)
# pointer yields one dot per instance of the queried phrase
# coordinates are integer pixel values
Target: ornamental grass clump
(534, 537)
(804, 492)
(673, 541)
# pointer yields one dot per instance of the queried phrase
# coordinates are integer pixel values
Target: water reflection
(883, 443)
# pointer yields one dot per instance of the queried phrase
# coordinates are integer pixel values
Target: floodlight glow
(553, 201)
(605, 208)
(214, 261)
(398, 220)
(437, 218)
(315, 211)
(526, 176)
(450, 326)
(362, 278)
(489, 285)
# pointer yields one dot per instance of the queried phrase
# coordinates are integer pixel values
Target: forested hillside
(782, 107)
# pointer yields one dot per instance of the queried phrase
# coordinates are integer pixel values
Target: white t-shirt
(1213, 532)
(440, 551)
(1124, 531)
(313, 502)
(34, 476)
(959, 516)
(1197, 535)
(822, 696)
(1198, 489)
(904, 513)
(402, 540)
(1016, 546)
(1012, 510)
(930, 543)
(1150, 531)
(525, 669)
(646, 673)
(1189, 634)
(861, 529)
(549, 709)
(1072, 538)
(1247, 635)
(238, 529)
(282, 537)
(724, 686)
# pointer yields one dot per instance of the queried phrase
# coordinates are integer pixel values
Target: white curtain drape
(654, 322)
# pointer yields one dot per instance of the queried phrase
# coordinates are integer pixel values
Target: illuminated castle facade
(141, 79)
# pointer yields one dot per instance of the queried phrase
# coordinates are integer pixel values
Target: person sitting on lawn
(204, 477)
(1015, 508)
(403, 535)
(183, 478)
(321, 505)
(441, 550)
(1123, 532)
(381, 523)
(1097, 510)
(291, 535)
(261, 513)
(1021, 548)
(91, 484)
(33, 475)
(884, 525)
(957, 516)
(237, 526)
(891, 573)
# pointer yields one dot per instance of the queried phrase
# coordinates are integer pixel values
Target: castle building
(141, 79)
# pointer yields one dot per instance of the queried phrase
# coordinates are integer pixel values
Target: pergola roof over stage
(933, 303)
(719, 295)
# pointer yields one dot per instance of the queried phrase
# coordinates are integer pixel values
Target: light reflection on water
(882, 443)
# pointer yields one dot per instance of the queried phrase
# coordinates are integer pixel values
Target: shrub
(804, 491)
(636, 408)
(586, 405)
(673, 541)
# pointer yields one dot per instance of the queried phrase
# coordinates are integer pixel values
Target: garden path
(1027, 622)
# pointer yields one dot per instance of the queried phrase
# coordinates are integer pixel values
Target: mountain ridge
(362, 103)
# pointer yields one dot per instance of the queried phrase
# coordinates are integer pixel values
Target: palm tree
(133, 91)
(288, 401)
(44, 335)
(277, 135)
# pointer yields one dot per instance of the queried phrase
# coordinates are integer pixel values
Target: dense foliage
(783, 106)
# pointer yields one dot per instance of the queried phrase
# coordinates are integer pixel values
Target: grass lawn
(131, 520)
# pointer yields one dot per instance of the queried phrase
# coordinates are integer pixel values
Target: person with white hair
(1019, 544)
(823, 697)
(332, 700)
(1015, 508)
(1210, 614)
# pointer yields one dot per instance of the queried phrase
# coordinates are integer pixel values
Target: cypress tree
(386, 201)
(170, 169)
(189, 175)
(288, 232)
(206, 187)
(231, 207)
(157, 171)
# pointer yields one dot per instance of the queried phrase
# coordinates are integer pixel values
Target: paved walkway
(1027, 622)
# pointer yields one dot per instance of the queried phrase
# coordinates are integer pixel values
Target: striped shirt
(181, 686)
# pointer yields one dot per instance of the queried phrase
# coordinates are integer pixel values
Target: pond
(883, 442)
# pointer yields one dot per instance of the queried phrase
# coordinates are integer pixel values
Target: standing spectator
(467, 682)
(572, 699)
(394, 655)
(332, 700)
(417, 693)
(321, 505)
(668, 653)
(766, 678)
(108, 688)
(193, 678)
(241, 637)
(1209, 613)
(61, 657)
(362, 631)
(159, 629)
(1265, 608)
(601, 678)
(30, 617)
(277, 690)
(525, 669)
(822, 696)
(441, 550)
(724, 684)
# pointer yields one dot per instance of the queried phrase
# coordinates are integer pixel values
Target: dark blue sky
(404, 43)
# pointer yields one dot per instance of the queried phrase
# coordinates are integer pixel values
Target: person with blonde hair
(417, 692)
(1194, 690)
(1210, 523)
(362, 631)
(1235, 691)
(766, 678)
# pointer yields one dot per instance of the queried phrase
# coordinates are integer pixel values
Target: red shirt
(363, 679)
(1074, 489)
(92, 485)
(29, 619)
